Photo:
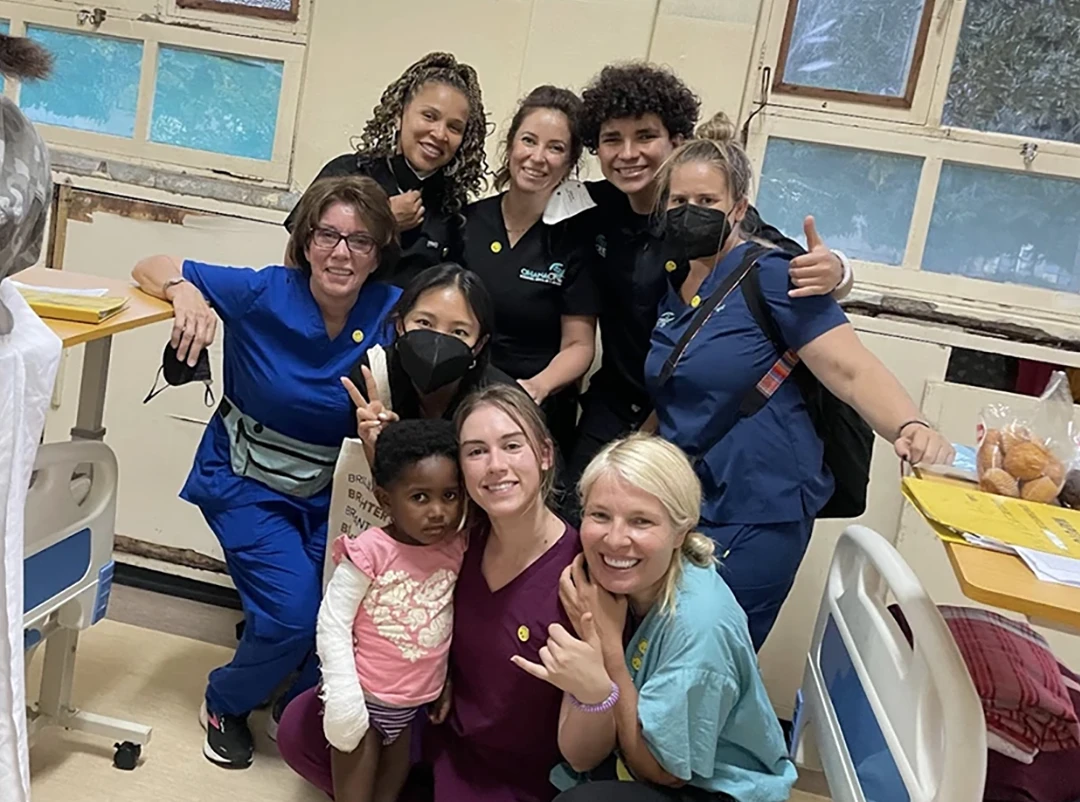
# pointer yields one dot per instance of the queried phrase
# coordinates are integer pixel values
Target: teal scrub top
(702, 704)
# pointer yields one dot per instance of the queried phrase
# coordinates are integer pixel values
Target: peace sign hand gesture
(372, 416)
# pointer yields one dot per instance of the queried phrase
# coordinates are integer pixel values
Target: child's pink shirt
(402, 631)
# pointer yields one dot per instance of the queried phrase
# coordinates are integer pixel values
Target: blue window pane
(862, 200)
(5, 26)
(94, 85)
(209, 101)
(1005, 226)
(854, 45)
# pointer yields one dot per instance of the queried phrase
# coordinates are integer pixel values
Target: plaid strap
(780, 370)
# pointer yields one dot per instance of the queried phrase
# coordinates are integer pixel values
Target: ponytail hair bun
(719, 129)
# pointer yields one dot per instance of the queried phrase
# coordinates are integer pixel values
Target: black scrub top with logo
(434, 241)
(545, 276)
(632, 274)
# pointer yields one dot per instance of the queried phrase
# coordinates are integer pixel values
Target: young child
(386, 619)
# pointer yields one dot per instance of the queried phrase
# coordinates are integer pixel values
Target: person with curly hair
(529, 246)
(633, 117)
(424, 145)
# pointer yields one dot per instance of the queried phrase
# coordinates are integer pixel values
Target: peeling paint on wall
(178, 183)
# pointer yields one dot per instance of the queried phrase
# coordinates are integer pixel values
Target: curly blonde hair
(465, 174)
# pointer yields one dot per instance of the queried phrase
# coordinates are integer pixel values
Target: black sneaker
(228, 739)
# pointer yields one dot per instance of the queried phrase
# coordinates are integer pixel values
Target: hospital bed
(887, 722)
(68, 570)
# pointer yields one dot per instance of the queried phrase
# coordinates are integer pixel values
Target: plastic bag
(1028, 457)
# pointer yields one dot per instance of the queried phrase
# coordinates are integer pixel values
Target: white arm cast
(345, 715)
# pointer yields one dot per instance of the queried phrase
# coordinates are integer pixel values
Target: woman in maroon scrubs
(506, 729)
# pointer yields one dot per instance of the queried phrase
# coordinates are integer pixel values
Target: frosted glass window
(1005, 226)
(215, 102)
(94, 85)
(861, 200)
(1016, 69)
(865, 46)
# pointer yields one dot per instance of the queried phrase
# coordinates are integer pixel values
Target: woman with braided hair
(424, 145)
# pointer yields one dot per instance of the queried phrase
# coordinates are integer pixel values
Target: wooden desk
(1003, 580)
(142, 310)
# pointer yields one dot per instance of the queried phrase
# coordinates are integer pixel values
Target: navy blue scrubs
(633, 271)
(281, 369)
(765, 480)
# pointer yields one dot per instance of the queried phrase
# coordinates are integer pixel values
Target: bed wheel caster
(127, 756)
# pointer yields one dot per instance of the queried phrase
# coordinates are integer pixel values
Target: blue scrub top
(769, 468)
(280, 368)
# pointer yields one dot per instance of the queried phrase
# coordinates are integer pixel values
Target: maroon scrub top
(503, 738)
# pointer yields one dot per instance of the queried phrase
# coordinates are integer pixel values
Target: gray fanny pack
(282, 463)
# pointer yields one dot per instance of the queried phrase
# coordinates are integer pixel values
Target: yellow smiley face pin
(358, 336)
(636, 663)
(496, 246)
(695, 301)
(670, 266)
(523, 633)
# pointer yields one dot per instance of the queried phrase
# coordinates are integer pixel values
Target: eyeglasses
(328, 239)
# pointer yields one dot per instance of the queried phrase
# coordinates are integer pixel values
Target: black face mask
(699, 231)
(432, 359)
(178, 373)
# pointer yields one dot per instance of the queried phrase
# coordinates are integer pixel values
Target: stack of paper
(81, 306)
(1045, 537)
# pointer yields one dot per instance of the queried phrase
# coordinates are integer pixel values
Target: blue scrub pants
(275, 556)
(759, 563)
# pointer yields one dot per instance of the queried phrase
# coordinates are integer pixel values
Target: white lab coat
(29, 359)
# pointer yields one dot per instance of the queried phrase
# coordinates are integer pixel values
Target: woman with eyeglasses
(263, 470)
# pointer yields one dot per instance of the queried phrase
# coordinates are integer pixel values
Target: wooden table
(142, 310)
(1003, 580)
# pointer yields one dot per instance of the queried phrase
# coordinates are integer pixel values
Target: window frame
(905, 101)
(875, 127)
(139, 147)
(240, 10)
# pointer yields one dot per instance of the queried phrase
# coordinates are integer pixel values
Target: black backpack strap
(706, 309)
(759, 395)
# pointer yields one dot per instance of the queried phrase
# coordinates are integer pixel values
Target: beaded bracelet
(602, 707)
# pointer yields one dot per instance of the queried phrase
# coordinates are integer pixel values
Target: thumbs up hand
(819, 270)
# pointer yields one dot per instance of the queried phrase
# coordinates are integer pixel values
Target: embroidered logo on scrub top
(554, 275)
(435, 246)
(601, 246)
(665, 318)
(496, 246)
(523, 633)
(358, 336)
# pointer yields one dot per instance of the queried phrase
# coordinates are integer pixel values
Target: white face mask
(570, 198)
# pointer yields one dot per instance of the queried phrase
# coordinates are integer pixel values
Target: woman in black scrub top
(538, 274)
(424, 144)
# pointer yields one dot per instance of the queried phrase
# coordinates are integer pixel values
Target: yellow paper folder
(953, 510)
(78, 308)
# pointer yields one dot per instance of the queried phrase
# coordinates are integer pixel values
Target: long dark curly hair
(633, 90)
(465, 174)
